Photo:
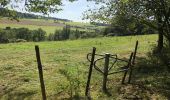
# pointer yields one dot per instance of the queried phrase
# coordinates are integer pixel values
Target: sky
(70, 10)
(73, 10)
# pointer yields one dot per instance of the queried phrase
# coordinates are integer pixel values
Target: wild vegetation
(64, 62)
(9, 34)
(66, 68)
(132, 15)
(50, 26)
(21, 35)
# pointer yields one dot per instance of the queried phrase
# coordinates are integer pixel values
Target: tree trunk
(160, 32)
(160, 40)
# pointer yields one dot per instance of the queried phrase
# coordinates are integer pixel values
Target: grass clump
(66, 68)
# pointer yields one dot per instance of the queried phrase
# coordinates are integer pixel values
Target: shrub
(38, 35)
(3, 37)
(66, 32)
(24, 33)
(50, 37)
(58, 35)
(21, 35)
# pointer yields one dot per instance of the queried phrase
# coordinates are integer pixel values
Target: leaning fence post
(129, 64)
(40, 72)
(134, 55)
(133, 62)
(104, 88)
(90, 71)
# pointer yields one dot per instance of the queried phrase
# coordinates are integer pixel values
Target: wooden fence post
(134, 55)
(129, 64)
(133, 62)
(90, 72)
(104, 88)
(40, 72)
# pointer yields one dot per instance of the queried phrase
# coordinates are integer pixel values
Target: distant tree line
(21, 35)
(68, 33)
(9, 35)
(138, 29)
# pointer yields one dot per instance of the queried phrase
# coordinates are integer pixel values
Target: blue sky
(73, 10)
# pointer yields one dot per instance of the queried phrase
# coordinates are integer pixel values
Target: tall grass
(65, 66)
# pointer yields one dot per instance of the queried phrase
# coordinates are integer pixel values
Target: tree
(24, 33)
(38, 35)
(154, 13)
(40, 6)
(66, 32)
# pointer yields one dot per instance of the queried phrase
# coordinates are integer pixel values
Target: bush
(38, 35)
(66, 32)
(3, 37)
(50, 37)
(58, 35)
(21, 35)
(24, 33)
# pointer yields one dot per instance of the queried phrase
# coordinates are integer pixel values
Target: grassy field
(48, 29)
(65, 68)
(47, 25)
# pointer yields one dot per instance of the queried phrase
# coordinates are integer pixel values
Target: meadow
(48, 29)
(66, 68)
(47, 25)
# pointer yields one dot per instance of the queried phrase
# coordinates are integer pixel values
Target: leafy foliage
(40, 6)
(21, 35)
(67, 33)
(127, 13)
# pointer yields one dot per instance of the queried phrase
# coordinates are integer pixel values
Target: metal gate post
(107, 56)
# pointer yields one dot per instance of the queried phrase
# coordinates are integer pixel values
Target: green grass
(65, 67)
(48, 29)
